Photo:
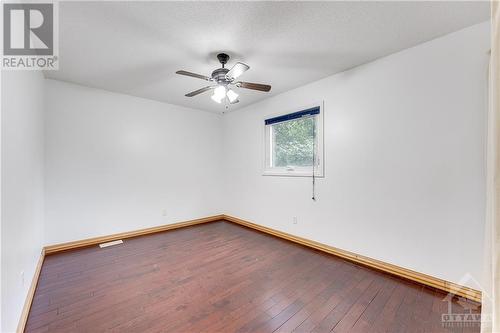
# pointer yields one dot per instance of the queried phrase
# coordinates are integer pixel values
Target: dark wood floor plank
(358, 308)
(354, 274)
(219, 277)
(298, 301)
(238, 304)
(338, 279)
(373, 310)
(340, 310)
(244, 323)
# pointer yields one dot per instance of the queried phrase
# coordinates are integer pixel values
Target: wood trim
(50, 249)
(422, 278)
(31, 293)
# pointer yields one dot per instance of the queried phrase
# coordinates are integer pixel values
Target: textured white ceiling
(136, 47)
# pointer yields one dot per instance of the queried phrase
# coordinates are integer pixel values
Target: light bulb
(216, 98)
(220, 92)
(232, 96)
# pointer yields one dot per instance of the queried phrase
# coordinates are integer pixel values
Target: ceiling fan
(225, 78)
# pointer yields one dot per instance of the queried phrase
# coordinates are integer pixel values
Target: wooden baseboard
(123, 235)
(31, 293)
(425, 279)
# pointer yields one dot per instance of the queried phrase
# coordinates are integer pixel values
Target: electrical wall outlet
(294, 220)
(164, 212)
(22, 278)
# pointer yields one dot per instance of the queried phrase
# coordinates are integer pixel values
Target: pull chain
(314, 162)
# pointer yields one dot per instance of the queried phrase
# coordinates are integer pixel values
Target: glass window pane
(293, 143)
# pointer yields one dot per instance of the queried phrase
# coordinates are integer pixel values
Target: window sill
(294, 173)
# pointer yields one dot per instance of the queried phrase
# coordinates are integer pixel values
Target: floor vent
(116, 242)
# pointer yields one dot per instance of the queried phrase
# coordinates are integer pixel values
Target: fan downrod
(223, 58)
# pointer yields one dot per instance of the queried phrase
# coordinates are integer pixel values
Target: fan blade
(198, 76)
(253, 86)
(199, 91)
(238, 69)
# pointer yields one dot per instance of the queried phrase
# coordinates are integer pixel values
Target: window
(294, 143)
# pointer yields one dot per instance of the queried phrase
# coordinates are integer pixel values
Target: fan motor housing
(219, 75)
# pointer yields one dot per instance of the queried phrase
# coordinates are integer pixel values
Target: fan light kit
(224, 79)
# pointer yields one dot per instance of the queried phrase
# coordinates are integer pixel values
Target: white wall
(22, 188)
(405, 162)
(115, 162)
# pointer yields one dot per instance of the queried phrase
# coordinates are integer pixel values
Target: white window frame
(295, 171)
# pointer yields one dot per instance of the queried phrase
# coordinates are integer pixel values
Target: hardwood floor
(220, 277)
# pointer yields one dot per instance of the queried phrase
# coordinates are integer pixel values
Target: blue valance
(295, 115)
